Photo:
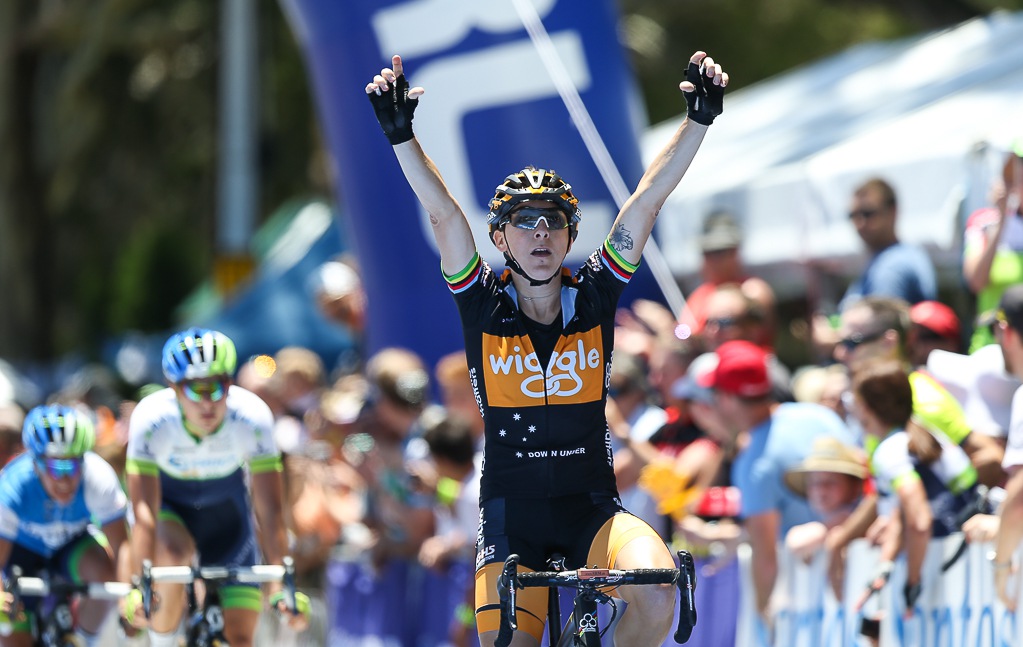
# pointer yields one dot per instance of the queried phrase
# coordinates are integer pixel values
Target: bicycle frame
(582, 628)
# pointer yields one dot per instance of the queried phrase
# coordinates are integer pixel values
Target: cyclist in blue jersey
(62, 512)
(539, 342)
(201, 460)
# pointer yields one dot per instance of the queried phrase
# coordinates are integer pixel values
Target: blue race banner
(490, 109)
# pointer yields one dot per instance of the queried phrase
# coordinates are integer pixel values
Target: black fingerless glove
(706, 101)
(912, 594)
(394, 110)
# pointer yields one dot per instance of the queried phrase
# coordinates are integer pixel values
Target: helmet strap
(514, 266)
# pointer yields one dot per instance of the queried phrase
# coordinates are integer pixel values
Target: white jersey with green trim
(159, 444)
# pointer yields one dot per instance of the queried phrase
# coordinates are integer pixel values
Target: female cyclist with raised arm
(538, 341)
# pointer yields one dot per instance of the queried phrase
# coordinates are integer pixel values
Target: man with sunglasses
(62, 513)
(201, 460)
(539, 342)
(895, 269)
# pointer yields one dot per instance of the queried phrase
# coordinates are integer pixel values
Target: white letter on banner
(429, 26)
(439, 127)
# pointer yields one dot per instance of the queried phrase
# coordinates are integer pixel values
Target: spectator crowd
(909, 427)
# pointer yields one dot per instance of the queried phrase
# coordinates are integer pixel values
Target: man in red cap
(933, 325)
(774, 438)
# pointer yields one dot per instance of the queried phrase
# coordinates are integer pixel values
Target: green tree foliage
(108, 124)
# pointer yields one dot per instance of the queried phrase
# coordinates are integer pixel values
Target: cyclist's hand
(393, 102)
(6, 602)
(8, 615)
(704, 89)
(297, 620)
(132, 611)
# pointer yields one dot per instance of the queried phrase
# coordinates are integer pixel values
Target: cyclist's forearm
(142, 544)
(450, 227)
(426, 181)
(670, 164)
(144, 492)
(116, 533)
(268, 504)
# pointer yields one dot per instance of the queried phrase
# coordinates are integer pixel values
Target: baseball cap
(741, 370)
(720, 232)
(936, 317)
(827, 455)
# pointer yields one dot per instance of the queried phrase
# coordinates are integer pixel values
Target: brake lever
(507, 594)
(14, 588)
(146, 584)
(686, 584)
(288, 583)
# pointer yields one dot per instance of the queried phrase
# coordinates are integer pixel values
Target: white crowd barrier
(957, 608)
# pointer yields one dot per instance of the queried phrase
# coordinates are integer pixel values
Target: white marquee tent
(933, 115)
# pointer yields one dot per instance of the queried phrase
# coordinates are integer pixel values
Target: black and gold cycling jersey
(546, 433)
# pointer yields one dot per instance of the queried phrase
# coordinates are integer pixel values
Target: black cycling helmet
(533, 184)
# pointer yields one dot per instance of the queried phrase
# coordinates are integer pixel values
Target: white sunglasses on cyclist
(529, 218)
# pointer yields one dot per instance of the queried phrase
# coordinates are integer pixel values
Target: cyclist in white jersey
(201, 460)
(61, 512)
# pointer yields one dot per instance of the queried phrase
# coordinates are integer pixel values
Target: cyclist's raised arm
(703, 89)
(395, 103)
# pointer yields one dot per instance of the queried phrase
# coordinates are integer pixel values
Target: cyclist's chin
(545, 266)
(61, 497)
(206, 424)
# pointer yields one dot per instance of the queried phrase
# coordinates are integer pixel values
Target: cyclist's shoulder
(247, 409)
(16, 477)
(97, 470)
(155, 409)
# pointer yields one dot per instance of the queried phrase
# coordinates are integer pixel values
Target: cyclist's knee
(652, 601)
(519, 639)
(96, 565)
(240, 626)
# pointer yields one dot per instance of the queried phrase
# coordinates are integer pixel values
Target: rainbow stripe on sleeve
(467, 277)
(621, 268)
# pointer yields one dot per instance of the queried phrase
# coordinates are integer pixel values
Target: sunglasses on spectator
(60, 468)
(196, 391)
(855, 340)
(529, 218)
(866, 214)
(724, 322)
(923, 333)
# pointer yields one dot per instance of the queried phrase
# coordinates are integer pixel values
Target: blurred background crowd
(383, 448)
